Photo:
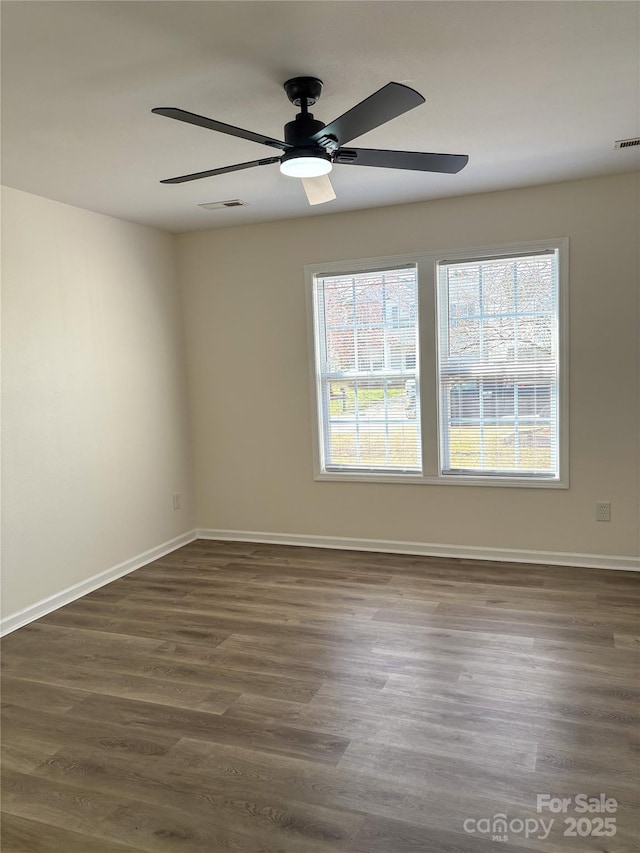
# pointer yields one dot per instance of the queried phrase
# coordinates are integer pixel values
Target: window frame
(428, 386)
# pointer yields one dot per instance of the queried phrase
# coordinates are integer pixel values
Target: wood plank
(144, 717)
(154, 809)
(366, 723)
(21, 835)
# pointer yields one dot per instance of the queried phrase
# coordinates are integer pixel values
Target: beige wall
(247, 355)
(95, 427)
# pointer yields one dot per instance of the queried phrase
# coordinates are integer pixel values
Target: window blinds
(367, 370)
(498, 365)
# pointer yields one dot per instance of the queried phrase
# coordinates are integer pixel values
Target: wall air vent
(219, 205)
(626, 143)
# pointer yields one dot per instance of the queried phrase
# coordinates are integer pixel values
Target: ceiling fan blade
(318, 189)
(415, 160)
(212, 124)
(195, 176)
(387, 103)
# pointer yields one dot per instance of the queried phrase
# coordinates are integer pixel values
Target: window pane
(367, 366)
(373, 424)
(499, 366)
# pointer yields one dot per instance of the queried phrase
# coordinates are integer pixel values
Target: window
(443, 367)
(498, 365)
(367, 335)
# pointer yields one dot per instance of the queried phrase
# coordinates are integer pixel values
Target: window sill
(419, 479)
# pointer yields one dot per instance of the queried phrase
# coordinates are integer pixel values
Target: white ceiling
(534, 92)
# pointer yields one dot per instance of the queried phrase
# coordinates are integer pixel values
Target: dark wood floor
(268, 699)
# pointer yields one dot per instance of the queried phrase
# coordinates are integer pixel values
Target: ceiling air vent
(219, 205)
(626, 143)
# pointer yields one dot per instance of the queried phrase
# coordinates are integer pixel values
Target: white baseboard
(66, 596)
(429, 549)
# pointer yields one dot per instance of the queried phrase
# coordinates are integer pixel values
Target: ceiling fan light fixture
(305, 165)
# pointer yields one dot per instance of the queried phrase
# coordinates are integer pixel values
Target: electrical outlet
(177, 502)
(603, 512)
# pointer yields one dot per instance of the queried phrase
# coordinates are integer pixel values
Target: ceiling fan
(310, 147)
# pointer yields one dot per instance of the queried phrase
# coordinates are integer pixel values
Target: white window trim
(427, 265)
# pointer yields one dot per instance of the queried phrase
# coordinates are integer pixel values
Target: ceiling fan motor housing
(299, 131)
